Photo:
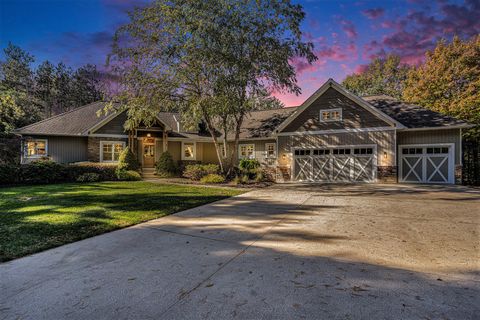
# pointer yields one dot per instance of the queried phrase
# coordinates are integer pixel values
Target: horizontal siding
(64, 149)
(432, 137)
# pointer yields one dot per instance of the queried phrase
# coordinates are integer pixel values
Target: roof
(410, 115)
(71, 123)
(262, 124)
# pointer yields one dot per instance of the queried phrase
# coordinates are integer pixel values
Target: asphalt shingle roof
(411, 116)
(74, 122)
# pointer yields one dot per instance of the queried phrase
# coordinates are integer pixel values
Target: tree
(45, 84)
(63, 89)
(86, 82)
(214, 61)
(449, 80)
(381, 76)
(10, 113)
(17, 81)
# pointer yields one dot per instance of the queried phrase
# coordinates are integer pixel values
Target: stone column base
(387, 174)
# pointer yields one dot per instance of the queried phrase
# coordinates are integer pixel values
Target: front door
(148, 154)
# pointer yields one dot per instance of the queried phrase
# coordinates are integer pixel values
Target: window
(36, 148)
(270, 150)
(363, 151)
(412, 150)
(331, 115)
(246, 151)
(189, 151)
(110, 150)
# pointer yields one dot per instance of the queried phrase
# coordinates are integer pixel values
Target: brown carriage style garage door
(335, 164)
(426, 163)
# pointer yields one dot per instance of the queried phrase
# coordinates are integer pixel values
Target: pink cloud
(373, 13)
(349, 28)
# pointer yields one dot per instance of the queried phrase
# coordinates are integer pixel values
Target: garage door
(335, 164)
(426, 163)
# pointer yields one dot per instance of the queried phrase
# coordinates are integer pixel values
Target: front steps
(148, 173)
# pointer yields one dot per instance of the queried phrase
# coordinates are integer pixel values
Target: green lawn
(35, 218)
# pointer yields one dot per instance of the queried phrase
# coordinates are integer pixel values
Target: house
(334, 136)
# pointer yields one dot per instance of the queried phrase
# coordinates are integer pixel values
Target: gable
(354, 116)
(114, 126)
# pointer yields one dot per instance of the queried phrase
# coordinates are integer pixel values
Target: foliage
(88, 177)
(9, 146)
(381, 76)
(42, 172)
(128, 175)
(46, 171)
(449, 81)
(213, 61)
(127, 160)
(248, 165)
(10, 112)
(106, 171)
(165, 166)
(28, 95)
(198, 171)
(9, 173)
(212, 178)
(36, 218)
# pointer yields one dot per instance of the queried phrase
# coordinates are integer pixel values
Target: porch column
(165, 140)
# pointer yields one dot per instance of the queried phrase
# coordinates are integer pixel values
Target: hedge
(45, 171)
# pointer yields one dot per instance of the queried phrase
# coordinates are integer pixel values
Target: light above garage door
(335, 164)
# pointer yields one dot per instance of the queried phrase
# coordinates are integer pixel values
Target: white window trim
(36, 156)
(274, 150)
(246, 145)
(194, 150)
(339, 110)
(109, 142)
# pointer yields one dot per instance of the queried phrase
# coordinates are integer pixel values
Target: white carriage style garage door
(426, 163)
(335, 164)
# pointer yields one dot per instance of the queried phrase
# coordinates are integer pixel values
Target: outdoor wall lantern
(149, 135)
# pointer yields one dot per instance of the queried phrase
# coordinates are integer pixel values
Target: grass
(35, 218)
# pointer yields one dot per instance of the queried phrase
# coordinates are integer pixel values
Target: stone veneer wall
(458, 174)
(387, 174)
(93, 149)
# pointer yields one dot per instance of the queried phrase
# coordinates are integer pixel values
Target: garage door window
(437, 150)
(363, 151)
(341, 151)
(412, 151)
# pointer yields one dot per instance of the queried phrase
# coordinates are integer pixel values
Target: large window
(36, 148)
(189, 151)
(331, 115)
(246, 151)
(270, 150)
(110, 150)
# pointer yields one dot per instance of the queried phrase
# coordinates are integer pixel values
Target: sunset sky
(346, 34)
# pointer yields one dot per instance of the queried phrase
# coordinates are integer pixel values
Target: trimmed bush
(9, 173)
(212, 178)
(43, 171)
(88, 177)
(106, 171)
(197, 171)
(127, 160)
(165, 166)
(248, 165)
(128, 175)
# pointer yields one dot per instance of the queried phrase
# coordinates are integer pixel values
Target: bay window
(35, 148)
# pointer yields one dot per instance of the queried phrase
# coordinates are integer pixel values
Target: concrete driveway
(286, 252)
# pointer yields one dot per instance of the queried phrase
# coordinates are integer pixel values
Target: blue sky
(346, 34)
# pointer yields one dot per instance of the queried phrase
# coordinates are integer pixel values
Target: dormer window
(331, 115)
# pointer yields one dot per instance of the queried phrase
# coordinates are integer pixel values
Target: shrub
(127, 160)
(43, 171)
(237, 180)
(128, 175)
(198, 171)
(106, 171)
(212, 178)
(259, 176)
(165, 166)
(245, 179)
(249, 168)
(9, 173)
(88, 177)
